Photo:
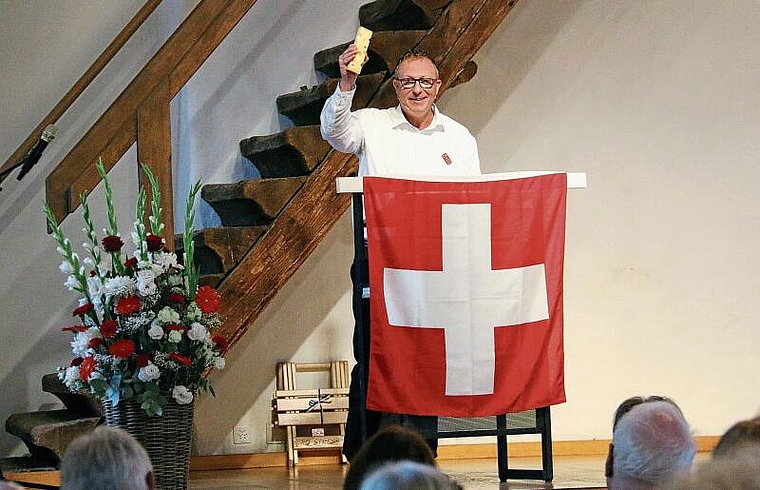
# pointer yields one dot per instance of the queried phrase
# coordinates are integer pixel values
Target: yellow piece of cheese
(362, 44)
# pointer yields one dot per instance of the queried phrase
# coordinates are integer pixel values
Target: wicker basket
(167, 438)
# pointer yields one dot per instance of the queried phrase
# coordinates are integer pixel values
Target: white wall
(654, 100)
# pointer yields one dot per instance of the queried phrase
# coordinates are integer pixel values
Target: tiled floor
(569, 472)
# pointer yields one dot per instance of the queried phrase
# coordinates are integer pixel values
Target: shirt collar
(399, 120)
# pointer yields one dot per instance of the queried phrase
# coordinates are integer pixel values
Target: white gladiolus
(71, 283)
(182, 395)
(66, 268)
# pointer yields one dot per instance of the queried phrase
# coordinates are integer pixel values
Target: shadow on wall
(278, 334)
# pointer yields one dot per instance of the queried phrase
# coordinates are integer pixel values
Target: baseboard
(597, 447)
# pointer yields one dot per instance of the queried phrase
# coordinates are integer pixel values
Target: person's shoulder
(451, 124)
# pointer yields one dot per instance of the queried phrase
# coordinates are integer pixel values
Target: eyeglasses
(425, 82)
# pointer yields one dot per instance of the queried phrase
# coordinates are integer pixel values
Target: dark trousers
(357, 395)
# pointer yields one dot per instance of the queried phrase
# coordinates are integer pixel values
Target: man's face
(416, 102)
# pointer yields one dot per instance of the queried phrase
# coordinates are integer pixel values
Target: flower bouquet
(146, 328)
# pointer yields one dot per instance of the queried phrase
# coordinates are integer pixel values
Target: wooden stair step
(48, 433)
(218, 250)
(80, 403)
(303, 107)
(24, 464)
(251, 202)
(293, 152)
(386, 15)
(385, 48)
(212, 280)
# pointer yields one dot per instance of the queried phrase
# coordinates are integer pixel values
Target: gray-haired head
(108, 457)
(407, 475)
(651, 445)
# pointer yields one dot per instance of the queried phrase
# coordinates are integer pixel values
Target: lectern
(537, 421)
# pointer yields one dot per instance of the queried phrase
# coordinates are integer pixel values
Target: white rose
(182, 395)
(155, 331)
(168, 315)
(219, 363)
(197, 332)
(149, 373)
(175, 336)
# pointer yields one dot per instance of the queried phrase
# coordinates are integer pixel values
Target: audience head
(741, 438)
(9, 485)
(736, 473)
(407, 475)
(651, 444)
(393, 443)
(108, 457)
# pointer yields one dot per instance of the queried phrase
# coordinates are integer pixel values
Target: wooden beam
(180, 57)
(154, 149)
(265, 269)
(84, 81)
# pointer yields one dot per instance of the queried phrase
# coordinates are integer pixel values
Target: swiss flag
(466, 295)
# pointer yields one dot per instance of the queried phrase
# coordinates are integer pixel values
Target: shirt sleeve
(338, 125)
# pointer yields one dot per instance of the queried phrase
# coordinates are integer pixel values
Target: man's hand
(348, 78)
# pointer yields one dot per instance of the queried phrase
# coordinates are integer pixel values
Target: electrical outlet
(241, 434)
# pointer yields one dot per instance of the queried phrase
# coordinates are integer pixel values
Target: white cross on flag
(466, 295)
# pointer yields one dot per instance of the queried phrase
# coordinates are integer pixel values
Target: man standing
(411, 139)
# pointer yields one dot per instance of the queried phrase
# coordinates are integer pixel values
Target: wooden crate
(315, 419)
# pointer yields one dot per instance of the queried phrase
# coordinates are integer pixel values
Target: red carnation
(176, 297)
(87, 367)
(74, 328)
(127, 305)
(180, 359)
(94, 343)
(130, 263)
(155, 243)
(112, 243)
(85, 308)
(121, 349)
(221, 342)
(207, 299)
(108, 328)
(174, 326)
(142, 360)
(76, 361)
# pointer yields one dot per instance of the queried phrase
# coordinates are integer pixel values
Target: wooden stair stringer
(308, 217)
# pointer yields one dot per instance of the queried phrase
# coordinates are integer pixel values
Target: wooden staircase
(295, 200)
(271, 225)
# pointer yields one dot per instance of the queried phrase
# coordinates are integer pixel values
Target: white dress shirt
(387, 144)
